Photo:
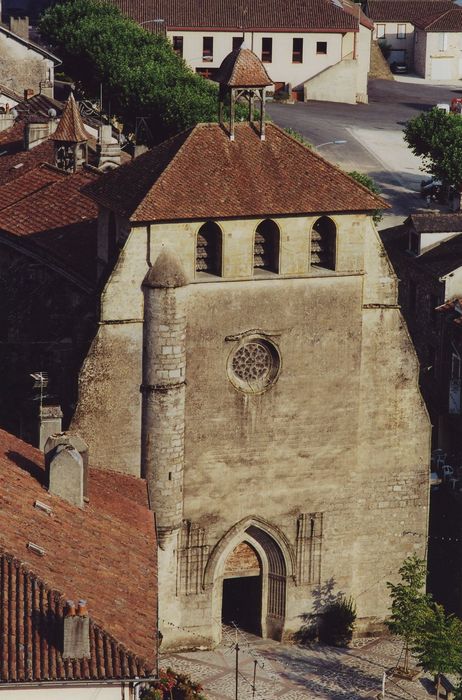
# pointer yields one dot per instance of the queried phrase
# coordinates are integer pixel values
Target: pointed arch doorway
(249, 572)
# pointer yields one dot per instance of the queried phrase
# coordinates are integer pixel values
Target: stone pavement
(296, 673)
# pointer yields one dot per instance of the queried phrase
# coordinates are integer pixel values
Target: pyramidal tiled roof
(242, 68)
(200, 174)
(70, 127)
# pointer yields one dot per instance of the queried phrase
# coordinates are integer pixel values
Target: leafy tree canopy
(368, 182)
(141, 74)
(437, 137)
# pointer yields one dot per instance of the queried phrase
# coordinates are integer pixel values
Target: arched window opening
(111, 238)
(208, 249)
(323, 241)
(266, 247)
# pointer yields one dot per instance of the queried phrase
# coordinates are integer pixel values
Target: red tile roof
(28, 183)
(48, 208)
(449, 21)
(200, 174)
(299, 15)
(70, 127)
(242, 68)
(436, 223)
(104, 553)
(16, 161)
(406, 10)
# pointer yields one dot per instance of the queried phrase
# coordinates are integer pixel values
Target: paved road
(296, 673)
(374, 136)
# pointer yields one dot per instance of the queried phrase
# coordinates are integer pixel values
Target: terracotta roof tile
(242, 68)
(200, 174)
(406, 10)
(15, 161)
(104, 553)
(449, 21)
(11, 94)
(70, 127)
(436, 223)
(28, 183)
(53, 214)
(300, 15)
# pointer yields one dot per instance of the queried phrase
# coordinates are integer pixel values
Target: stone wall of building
(24, 67)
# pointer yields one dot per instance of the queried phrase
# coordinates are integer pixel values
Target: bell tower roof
(70, 128)
(242, 68)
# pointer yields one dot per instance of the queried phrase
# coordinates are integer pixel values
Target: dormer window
(266, 246)
(323, 243)
(208, 249)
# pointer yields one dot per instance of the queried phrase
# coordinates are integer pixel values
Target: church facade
(252, 358)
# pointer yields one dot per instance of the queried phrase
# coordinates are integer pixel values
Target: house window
(266, 246)
(380, 31)
(412, 295)
(207, 72)
(207, 48)
(321, 47)
(208, 249)
(237, 42)
(401, 33)
(414, 242)
(323, 243)
(454, 385)
(111, 238)
(266, 50)
(442, 41)
(178, 45)
(297, 51)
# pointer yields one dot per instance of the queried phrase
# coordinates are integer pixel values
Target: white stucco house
(424, 34)
(314, 49)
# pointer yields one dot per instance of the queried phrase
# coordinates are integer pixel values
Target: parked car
(398, 67)
(431, 188)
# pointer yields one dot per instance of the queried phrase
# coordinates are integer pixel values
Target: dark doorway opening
(242, 603)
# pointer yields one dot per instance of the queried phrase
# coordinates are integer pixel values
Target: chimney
(47, 88)
(76, 631)
(36, 133)
(107, 148)
(65, 474)
(19, 25)
(28, 93)
(6, 120)
(50, 419)
(75, 441)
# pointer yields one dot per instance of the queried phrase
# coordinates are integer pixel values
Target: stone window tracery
(254, 366)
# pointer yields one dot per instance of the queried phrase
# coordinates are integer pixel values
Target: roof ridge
(437, 17)
(381, 203)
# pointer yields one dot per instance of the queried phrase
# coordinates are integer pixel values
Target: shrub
(337, 622)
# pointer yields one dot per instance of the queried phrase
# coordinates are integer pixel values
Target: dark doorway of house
(242, 603)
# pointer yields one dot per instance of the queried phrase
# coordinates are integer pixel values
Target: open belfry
(252, 358)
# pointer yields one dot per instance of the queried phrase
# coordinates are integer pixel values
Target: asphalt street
(373, 135)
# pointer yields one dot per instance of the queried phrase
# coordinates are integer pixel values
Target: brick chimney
(65, 474)
(75, 441)
(76, 631)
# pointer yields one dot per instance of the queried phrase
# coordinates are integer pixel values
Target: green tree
(141, 74)
(437, 137)
(368, 182)
(409, 604)
(439, 646)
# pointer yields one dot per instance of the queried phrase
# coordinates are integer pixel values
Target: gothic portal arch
(276, 565)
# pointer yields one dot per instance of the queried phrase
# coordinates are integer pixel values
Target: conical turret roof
(70, 127)
(242, 68)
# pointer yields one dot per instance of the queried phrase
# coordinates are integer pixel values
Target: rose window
(254, 366)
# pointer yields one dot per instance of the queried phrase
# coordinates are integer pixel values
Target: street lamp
(335, 142)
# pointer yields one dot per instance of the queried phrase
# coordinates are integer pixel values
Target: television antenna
(40, 382)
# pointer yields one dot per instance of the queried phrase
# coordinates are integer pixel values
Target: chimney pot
(70, 608)
(82, 610)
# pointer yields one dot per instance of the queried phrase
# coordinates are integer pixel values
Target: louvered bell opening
(202, 254)
(259, 251)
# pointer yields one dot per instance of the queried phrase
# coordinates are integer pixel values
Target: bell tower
(71, 139)
(242, 77)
